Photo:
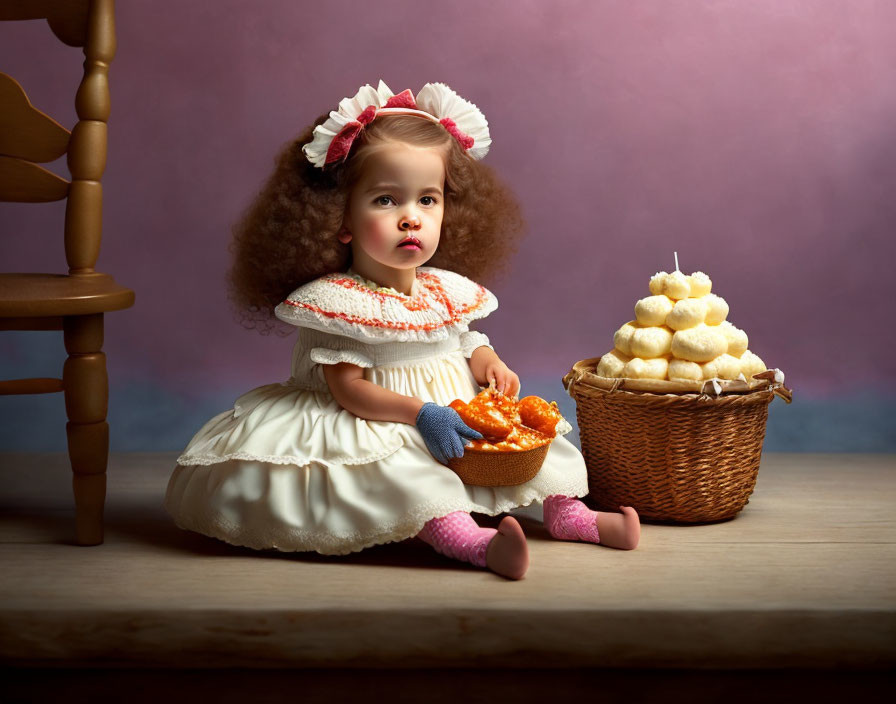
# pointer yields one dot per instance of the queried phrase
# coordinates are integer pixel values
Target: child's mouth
(410, 243)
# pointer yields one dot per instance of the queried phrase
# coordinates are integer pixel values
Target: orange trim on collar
(429, 281)
(353, 284)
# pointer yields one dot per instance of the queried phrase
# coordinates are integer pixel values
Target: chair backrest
(28, 137)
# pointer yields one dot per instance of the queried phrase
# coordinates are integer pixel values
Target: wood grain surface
(805, 576)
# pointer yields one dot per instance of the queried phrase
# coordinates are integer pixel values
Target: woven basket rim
(582, 373)
(479, 451)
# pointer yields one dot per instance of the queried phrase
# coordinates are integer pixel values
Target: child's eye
(384, 200)
(428, 200)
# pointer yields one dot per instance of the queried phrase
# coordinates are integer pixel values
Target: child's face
(395, 210)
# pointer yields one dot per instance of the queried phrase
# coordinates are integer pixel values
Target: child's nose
(409, 222)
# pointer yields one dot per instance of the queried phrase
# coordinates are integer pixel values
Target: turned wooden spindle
(86, 388)
(87, 149)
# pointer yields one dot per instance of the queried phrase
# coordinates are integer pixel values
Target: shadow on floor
(146, 525)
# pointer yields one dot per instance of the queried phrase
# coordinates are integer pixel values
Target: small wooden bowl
(496, 468)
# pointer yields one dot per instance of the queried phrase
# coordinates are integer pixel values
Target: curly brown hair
(288, 235)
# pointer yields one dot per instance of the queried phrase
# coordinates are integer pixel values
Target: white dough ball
(622, 340)
(653, 310)
(737, 339)
(722, 367)
(717, 309)
(699, 344)
(656, 283)
(639, 368)
(612, 364)
(675, 285)
(682, 369)
(687, 313)
(750, 364)
(651, 342)
(701, 284)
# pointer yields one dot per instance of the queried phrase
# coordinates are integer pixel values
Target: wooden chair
(73, 302)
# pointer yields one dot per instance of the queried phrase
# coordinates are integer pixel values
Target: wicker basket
(493, 468)
(675, 457)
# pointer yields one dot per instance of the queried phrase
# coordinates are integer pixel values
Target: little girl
(350, 452)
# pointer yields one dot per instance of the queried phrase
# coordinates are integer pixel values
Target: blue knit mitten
(444, 433)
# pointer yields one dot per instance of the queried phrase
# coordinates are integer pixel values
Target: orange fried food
(506, 424)
(458, 406)
(539, 414)
(527, 438)
(483, 418)
(507, 405)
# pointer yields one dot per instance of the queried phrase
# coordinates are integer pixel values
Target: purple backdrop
(758, 139)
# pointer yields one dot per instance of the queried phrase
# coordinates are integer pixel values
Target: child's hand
(443, 431)
(501, 378)
(489, 370)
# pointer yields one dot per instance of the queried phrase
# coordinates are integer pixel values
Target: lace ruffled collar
(348, 304)
(374, 286)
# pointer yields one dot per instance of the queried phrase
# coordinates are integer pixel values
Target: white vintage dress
(288, 468)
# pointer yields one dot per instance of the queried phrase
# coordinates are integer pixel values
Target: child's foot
(508, 554)
(567, 518)
(619, 530)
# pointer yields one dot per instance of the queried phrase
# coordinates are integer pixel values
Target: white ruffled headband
(435, 101)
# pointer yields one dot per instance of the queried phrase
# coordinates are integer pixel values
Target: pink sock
(567, 518)
(458, 536)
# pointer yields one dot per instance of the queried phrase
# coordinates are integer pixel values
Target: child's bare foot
(508, 554)
(619, 530)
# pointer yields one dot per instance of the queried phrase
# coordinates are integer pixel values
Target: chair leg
(86, 404)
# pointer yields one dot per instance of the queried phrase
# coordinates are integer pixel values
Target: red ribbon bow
(342, 142)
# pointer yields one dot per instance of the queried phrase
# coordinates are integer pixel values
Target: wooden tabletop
(805, 576)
